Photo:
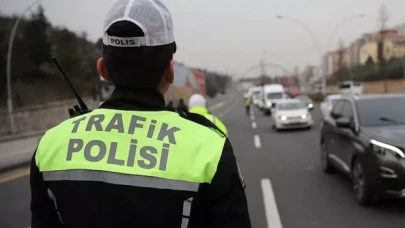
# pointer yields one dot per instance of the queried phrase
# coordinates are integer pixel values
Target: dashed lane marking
(270, 205)
(253, 124)
(256, 140)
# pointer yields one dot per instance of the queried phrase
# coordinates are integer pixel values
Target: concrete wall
(39, 117)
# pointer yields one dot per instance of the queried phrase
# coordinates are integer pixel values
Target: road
(285, 185)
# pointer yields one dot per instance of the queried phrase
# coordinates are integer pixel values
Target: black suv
(364, 137)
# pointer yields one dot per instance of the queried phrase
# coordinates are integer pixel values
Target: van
(351, 87)
(271, 95)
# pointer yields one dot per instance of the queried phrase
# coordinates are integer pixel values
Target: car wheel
(325, 162)
(361, 189)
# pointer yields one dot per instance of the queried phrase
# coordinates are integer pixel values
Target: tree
(37, 42)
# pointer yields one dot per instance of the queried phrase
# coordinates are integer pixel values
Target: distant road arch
(274, 65)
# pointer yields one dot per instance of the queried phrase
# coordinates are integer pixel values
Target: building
(355, 49)
(400, 29)
(335, 60)
(369, 51)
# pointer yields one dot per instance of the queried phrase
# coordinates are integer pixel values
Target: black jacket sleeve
(226, 194)
(223, 203)
(43, 212)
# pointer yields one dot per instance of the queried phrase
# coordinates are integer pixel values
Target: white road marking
(254, 124)
(223, 104)
(230, 108)
(256, 140)
(270, 206)
(218, 105)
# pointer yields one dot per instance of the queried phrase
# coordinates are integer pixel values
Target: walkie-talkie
(76, 110)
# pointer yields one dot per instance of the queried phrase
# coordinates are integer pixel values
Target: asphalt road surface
(285, 185)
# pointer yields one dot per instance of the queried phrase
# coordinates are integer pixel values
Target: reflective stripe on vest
(149, 144)
(121, 179)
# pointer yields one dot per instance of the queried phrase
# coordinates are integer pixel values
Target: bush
(316, 97)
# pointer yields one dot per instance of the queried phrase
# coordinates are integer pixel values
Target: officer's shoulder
(201, 120)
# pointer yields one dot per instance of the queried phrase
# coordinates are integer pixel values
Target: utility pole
(262, 72)
(383, 17)
(341, 60)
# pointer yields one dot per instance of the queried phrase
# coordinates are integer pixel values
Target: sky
(231, 36)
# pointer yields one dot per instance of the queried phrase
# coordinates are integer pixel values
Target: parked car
(365, 139)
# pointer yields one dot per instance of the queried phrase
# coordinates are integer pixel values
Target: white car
(291, 114)
(327, 104)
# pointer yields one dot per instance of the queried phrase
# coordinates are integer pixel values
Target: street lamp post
(316, 43)
(309, 30)
(336, 29)
(9, 57)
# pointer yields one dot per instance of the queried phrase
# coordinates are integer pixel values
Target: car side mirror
(344, 122)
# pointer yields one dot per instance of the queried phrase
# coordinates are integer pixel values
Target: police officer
(131, 163)
(197, 104)
(248, 103)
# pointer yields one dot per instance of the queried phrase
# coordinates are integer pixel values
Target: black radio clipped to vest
(79, 109)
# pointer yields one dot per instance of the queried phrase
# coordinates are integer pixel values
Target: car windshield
(381, 111)
(106, 89)
(274, 96)
(290, 106)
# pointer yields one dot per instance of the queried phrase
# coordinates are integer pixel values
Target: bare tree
(341, 60)
(382, 20)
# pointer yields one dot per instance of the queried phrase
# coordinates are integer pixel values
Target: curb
(15, 166)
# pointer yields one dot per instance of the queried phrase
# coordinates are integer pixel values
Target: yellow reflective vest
(248, 101)
(115, 145)
(204, 112)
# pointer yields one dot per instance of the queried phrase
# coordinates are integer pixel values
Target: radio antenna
(82, 105)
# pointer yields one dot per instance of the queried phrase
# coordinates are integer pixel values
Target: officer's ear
(169, 73)
(102, 70)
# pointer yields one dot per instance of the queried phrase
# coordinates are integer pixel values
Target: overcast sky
(233, 35)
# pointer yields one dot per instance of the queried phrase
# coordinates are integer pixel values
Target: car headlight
(283, 117)
(304, 116)
(310, 105)
(383, 148)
